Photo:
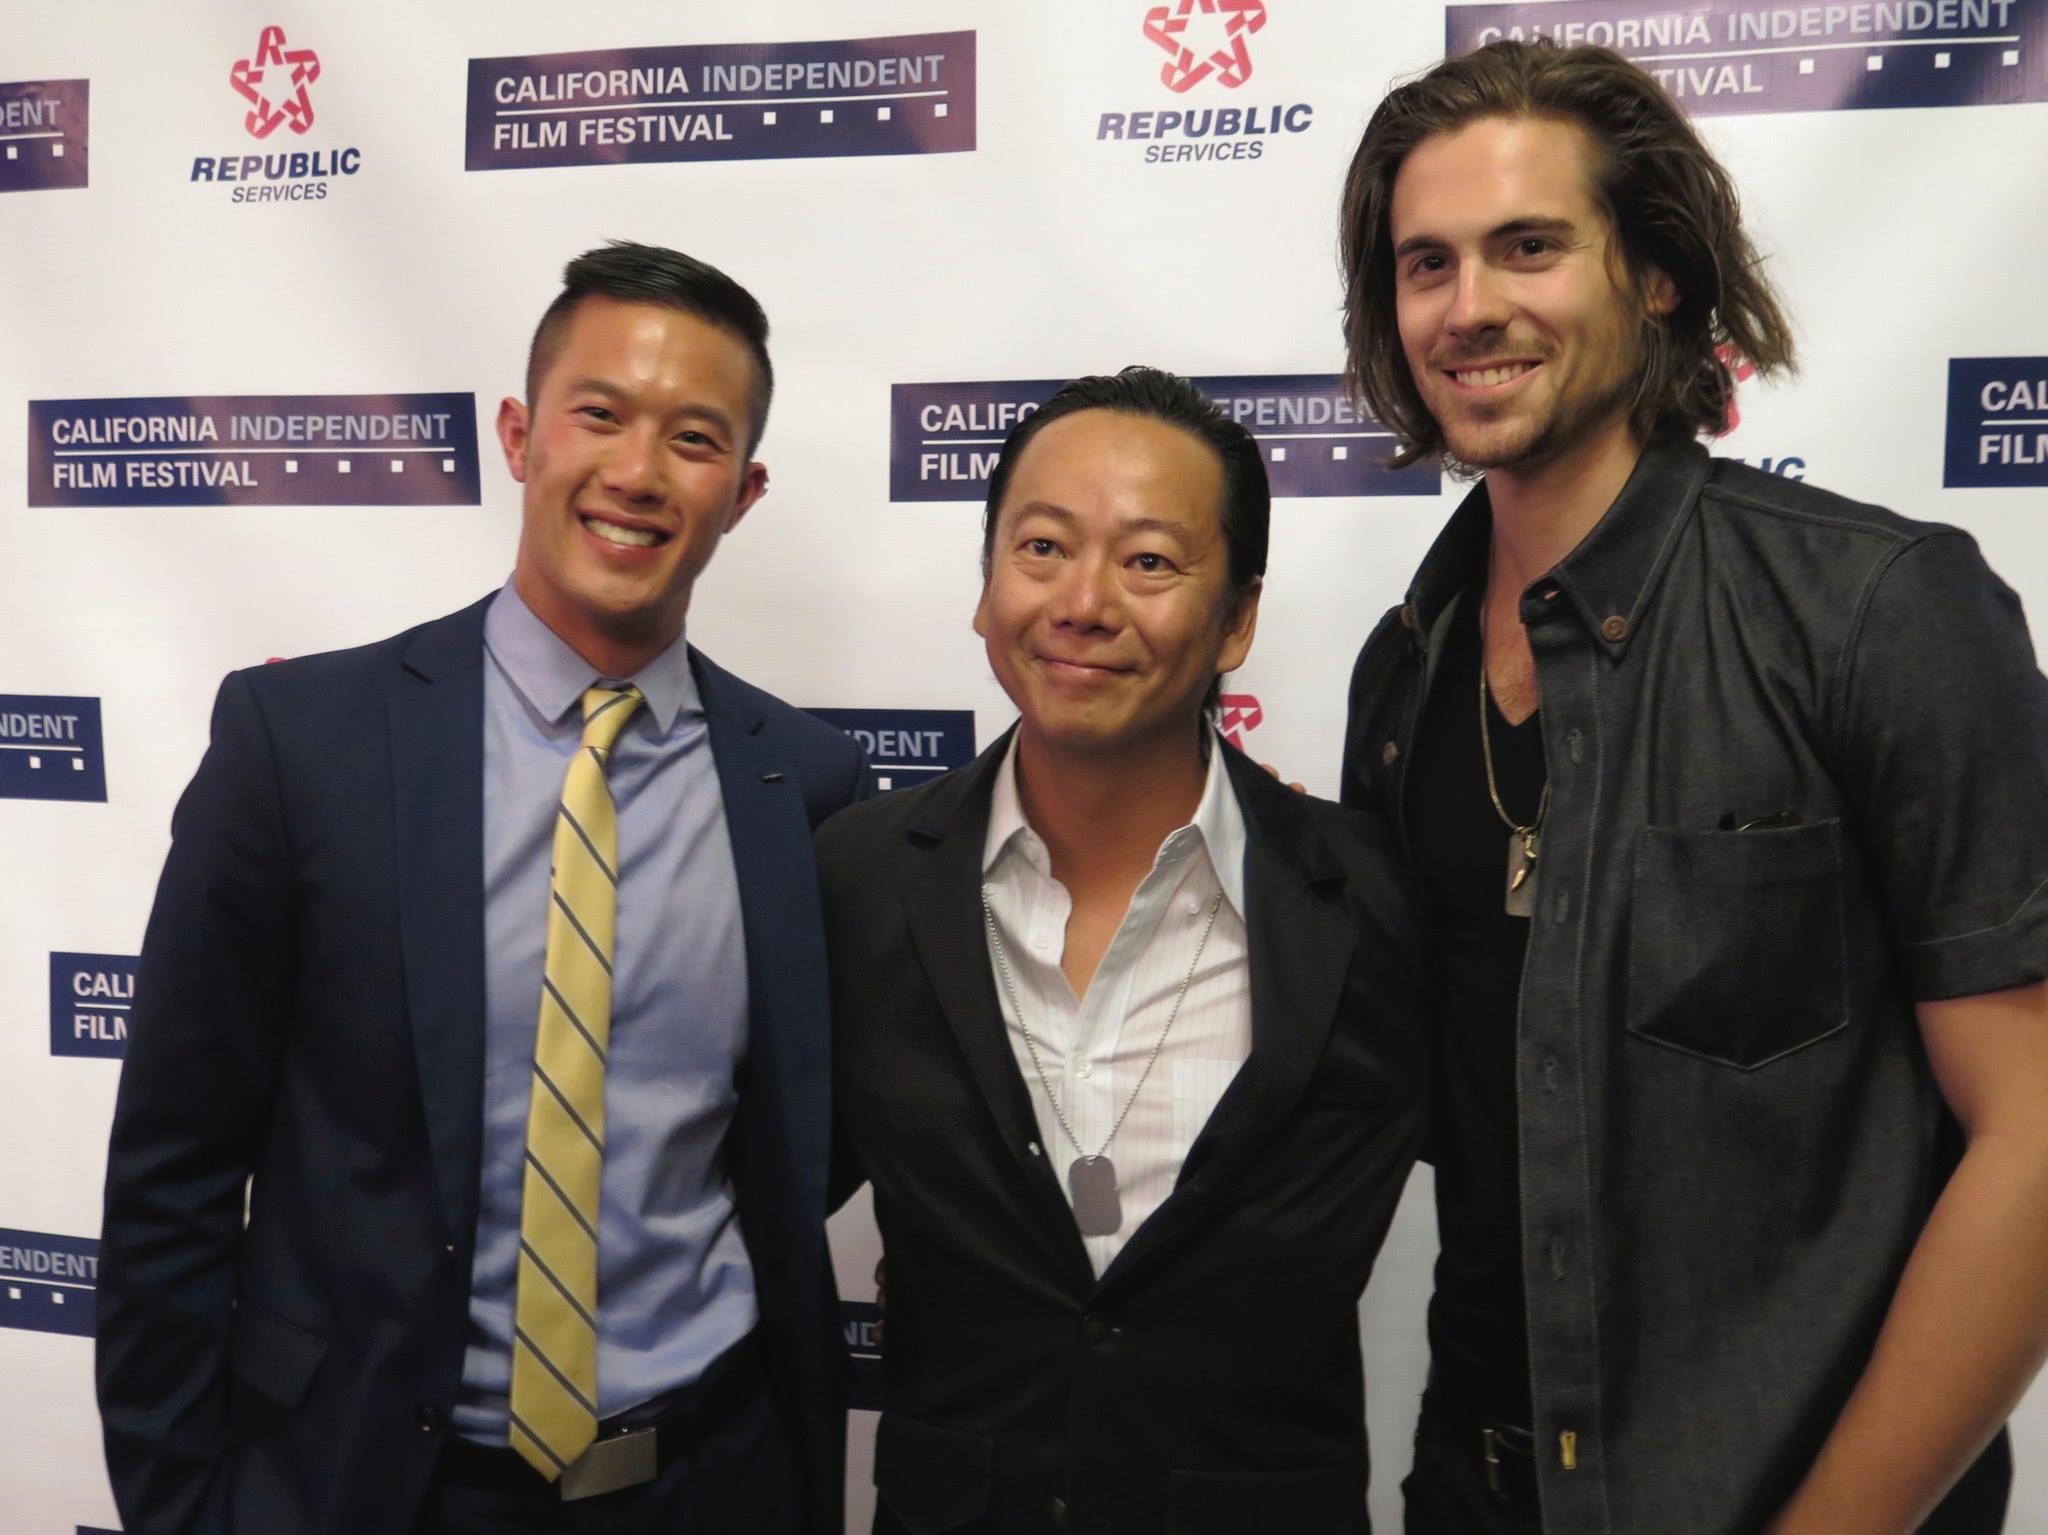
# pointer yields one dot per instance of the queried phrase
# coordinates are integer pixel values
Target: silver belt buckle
(623, 1460)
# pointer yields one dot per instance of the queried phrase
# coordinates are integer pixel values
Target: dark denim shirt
(1730, 1136)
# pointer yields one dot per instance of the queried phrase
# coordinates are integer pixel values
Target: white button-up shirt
(1093, 1049)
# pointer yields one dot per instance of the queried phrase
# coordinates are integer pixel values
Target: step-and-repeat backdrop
(267, 268)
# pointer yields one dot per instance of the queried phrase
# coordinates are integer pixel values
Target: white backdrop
(1905, 237)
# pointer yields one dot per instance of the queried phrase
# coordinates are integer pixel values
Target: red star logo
(1237, 716)
(273, 98)
(1167, 25)
(1740, 370)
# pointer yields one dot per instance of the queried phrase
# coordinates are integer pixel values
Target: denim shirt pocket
(1738, 941)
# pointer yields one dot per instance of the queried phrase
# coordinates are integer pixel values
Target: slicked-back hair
(1157, 395)
(1668, 203)
(653, 274)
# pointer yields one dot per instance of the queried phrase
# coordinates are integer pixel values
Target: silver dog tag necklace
(1091, 1179)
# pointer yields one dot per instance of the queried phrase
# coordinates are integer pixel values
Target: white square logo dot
(398, 466)
(883, 114)
(768, 119)
(13, 1293)
(824, 114)
(447, 466)
(78, 764)
(35, 762)
(1874, 63)
(939, 110)
(14, 151)
(291, 466)
(1279, 455)
(1806, 66)
(56, 1297)
(57, 151)
(341, 466)
(2012, 57)
(1338, 450)
(1941, 61)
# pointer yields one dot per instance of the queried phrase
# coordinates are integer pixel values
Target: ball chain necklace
(1091, 1179)
(1522, 840)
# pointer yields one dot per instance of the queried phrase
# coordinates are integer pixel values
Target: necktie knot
(605, 713)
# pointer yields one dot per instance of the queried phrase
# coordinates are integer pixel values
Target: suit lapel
(437, 736)
(942, 902)
(1300, 949)
(789, 1064)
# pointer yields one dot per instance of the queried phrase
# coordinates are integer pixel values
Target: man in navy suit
(340, 985)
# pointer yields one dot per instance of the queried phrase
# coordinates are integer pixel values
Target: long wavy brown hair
(1668, 201)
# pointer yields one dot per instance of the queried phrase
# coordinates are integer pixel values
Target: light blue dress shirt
(674, 1287)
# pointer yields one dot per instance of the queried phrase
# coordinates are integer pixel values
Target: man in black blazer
(338, 1002)
(1128, 1037)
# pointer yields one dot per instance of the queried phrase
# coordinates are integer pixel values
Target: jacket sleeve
(1369, 679)
(212, 994)
(1942, 750)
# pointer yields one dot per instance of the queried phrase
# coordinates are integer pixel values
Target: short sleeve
(1943, 730)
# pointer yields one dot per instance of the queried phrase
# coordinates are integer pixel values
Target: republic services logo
(274, 84)
(1231, 64)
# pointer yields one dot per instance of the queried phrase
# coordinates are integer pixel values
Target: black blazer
(1210, 1380)
(310, 1015)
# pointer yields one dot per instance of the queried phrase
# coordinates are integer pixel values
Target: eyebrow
(610, 391)
(1533, 224)
(1132, 525)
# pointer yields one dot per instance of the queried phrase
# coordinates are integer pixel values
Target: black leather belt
(632, 1448)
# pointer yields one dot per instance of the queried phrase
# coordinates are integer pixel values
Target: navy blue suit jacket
(310, 1026)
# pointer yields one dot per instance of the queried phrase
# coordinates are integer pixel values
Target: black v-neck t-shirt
(1478, 1332)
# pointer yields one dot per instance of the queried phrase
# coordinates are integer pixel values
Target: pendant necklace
(1091, 1180)
(1522, 840)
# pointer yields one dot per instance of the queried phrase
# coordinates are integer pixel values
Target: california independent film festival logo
(47, 1282)
(944, 438)
(907, 746)
(254, 450)
(274, 84)
(1781, 56)
(1997, 422)
(50, 748)
(1207, 62)
(909, 95)
(42, 134)
(91, 996)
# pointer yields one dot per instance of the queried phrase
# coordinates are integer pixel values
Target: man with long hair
(1727, 799)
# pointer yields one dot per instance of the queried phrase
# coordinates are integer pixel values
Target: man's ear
(753, 486)
(1242, 624)
(1660, 293)
(512, 434)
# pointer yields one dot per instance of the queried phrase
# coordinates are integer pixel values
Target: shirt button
(429, 1418)
(1550, 1068)
(1084, 1071)
(1096, 1330)
(1390, 753)
(1191, 904)
(1042, 943)
(1057, 1508)
(1614, 628)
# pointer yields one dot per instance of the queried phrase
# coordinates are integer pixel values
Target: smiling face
(1520, 334)
(1109, 606)
(633, 455)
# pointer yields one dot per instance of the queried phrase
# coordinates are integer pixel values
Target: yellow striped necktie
(554, 1326)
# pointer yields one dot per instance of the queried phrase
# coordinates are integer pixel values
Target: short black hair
(653, 274)
(1247, 509)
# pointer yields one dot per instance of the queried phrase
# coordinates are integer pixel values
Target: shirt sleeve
(1943, 717)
